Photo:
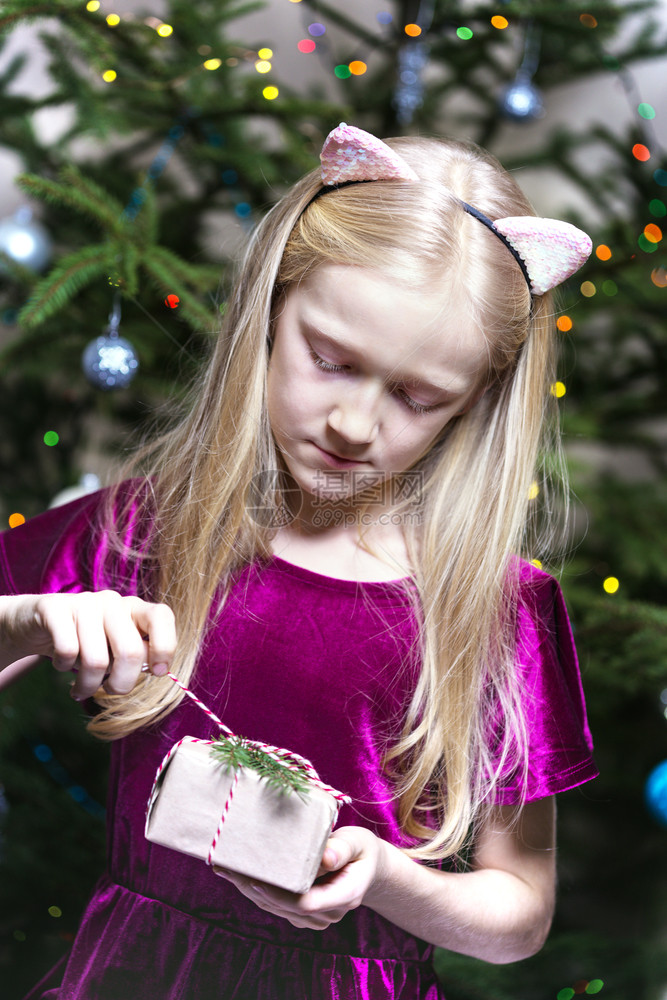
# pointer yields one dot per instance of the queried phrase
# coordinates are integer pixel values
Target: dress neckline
(341, 582)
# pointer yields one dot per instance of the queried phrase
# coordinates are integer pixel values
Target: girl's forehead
(426, 331)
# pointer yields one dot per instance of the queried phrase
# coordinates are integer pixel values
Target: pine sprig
(73, 273)
(235, 752)
(73, 190)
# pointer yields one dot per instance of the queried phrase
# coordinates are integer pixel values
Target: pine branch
(73, 273)
(75, 191)
(236, 752)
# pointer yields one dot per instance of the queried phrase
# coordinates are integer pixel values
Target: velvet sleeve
(559, 739)
(66, 550)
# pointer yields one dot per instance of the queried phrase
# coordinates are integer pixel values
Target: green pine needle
(235, 752)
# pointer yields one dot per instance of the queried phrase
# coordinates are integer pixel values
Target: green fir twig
(235, 752)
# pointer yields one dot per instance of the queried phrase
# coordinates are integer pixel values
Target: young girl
(326, 550)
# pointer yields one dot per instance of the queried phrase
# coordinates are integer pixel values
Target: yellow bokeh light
(357, 67)
(263, 66)
(165, 30)
(534, 491)
(113, 20)
(564, 324)
(270, 93)
(603, 252)
(265, 53)
(413, 30)
(109, 75)
(536, 563)
(15, 520)
(588, 289)
(558, 389)
(93, 5)
(498, 21)
(213, 64)
(611, 585)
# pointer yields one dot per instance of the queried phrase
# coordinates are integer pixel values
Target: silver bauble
(109, 362)
(522, 101)
(25, 241)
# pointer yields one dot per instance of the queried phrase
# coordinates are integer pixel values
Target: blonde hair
(198, 477)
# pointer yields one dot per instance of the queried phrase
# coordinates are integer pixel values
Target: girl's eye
(325, 365)
(409, 402)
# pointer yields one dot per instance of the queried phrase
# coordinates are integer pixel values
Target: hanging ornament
(656, 793)
(522, 101)
(25, 241)
(412, 60)
(109, 361)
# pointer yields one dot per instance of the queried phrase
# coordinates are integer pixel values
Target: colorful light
(342, 71)
(113, 20)
(51, 438)
(109, 75)
(270, 93)
(316, 29)
(55, 911)
(165, 30)
(536, 563)
(357, 67)
(464, 33)
(588, 289)
(172, 301)
(558, 389)
(413, 30)
(653, 233)
(657, 207)
(610, 585)
(641, 152)
(500, 22)
(93, 5)
(659, 277)
(384, 17)
(306, 45)
(212, 64)
(564, 324)
(609, 287)
(645, 244)
(588, 21)
(660, 177)
(534, 490)
(265, 53)
(602, 252)
(263, 66)
(646, 111)
(16, 519)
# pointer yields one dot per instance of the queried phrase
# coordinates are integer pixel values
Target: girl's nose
(356, 414)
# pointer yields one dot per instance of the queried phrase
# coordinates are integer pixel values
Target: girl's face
(364, 375)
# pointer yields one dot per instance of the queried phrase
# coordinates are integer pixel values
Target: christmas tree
(179, 135)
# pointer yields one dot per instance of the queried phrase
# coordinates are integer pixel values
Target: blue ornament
(25, 241)
(655, 793)
(109, 362)
(522, 101)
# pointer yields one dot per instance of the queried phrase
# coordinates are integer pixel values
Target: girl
(326, 550)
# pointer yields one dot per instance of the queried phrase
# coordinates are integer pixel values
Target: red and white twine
(292, 761)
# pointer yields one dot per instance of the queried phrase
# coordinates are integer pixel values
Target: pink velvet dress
(303, 661)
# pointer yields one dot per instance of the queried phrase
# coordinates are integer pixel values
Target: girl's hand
(102, 636)
(350, 866)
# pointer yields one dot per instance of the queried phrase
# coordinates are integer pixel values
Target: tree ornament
(409, 92)
(655, 793)
(25, 241)
(109, 361)
(522, 101)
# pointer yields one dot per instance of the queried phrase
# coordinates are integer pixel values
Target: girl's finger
(61, 627)
(126, 645)
(93, 650)
(157, 623)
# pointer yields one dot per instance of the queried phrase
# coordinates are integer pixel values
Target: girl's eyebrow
(412, 381)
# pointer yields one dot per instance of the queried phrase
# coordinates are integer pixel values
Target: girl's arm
(499, 911)
(106, 637)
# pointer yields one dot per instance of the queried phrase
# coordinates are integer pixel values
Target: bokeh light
(165, 30)
(602, 252)
(51, 438)
(657, 207)
(660, 177)
(265, 53)
(384, 17)
(93, 5)
(659, 277)
(558, 389)
(55, 911)
(109, 75)
(342, 71)
(564, 324)
(646, 111)
(609, 287)
(413, 30)
(270, 94)
(15, 519)
(263, 66)
(588, 21)
(464, 33)
(500, 22)
(533, 490)
(565, 994)
(588, 289)
(212, 64)
(316, 29)
(172, 301)
(610, 585)
(357, 67)
(113, 20)
(595, 986)
(536, 563)
(306, 45)
(653, 233)
(641, 152)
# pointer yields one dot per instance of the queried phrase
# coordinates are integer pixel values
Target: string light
(212, 64)
(16, 519)
(536, 563)
(464, 33)
(51, 438)
(534, 490)
(564, 324)
(609, 287)
(113, 20)
(357, 67)
(659, 277)
(413, 30)
(610, 585)
(588, 21)
(165, 30)
(265, 53)
(602, 252)
(653, 233)
(316, 29)
(306, 45)
(270, 93)
(641, 152)
(646, 111)
(342, 71)
(93, 5)
(558, 389)
(263, 66)
(588, 289)
(500, 22)
(172, 301)
(109, 75)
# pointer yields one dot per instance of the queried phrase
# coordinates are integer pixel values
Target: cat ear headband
(547, 251)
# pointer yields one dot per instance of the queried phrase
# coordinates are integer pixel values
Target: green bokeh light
(342, 71)
(464, 33)
(646, 111)
(657, 208)
(51, 438)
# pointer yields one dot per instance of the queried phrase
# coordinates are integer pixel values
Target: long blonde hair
(197, 478)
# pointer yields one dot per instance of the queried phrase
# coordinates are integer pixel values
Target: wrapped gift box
(270, 834)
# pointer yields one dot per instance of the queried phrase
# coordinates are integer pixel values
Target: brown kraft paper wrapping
(268, 834)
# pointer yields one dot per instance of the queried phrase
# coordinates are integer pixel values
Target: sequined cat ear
(551, 250)
(350, 154)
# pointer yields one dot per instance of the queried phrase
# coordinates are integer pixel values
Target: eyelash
(410, 403)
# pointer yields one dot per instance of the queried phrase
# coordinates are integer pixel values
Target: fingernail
(76, 696)
(160, 669)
